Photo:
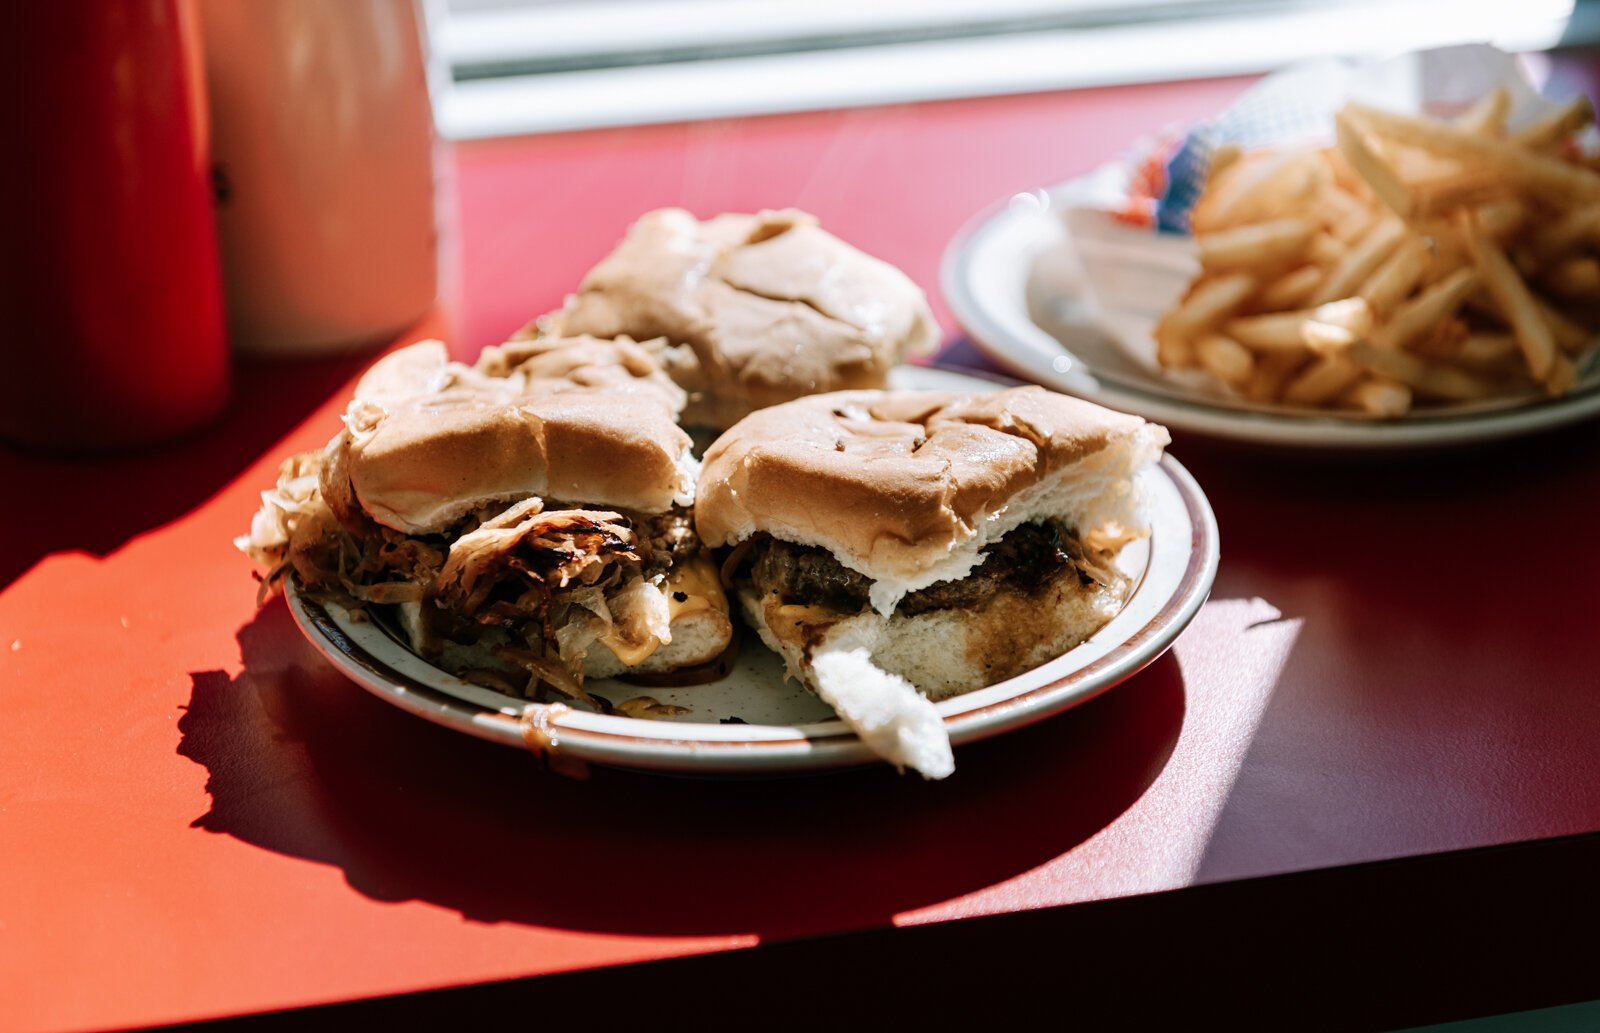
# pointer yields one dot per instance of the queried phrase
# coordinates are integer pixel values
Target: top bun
(427, 440)
(753, 310)
(559, 365)
(908, 486)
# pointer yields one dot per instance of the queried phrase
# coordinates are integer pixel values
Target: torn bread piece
(886, 540)
(891, 716)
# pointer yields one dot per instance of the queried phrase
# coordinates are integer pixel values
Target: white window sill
(1017, 62)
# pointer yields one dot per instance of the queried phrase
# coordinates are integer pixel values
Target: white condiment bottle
(324, 143)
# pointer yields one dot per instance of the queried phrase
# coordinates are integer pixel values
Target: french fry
(1444, 341)
(1174, 350)
(1207, 304)
(1452, 384)
(1465, 187)
(1337, 325)
(1287, 191)
(1254, 188)
(1569, 334)
(1210, 302)
(1546, 177)
(1359, 262)
(1352, 314)
(1380, 396)
(1487, 115)
(1501, 219)
(1223, 156)
(1273, 370)
(1487, 351)
(1395, 278)
(1345, 216)
(1414, 164)
(1412, 319)
(1325, 338)
(1449, 253)
(1229, 360)
(1326, 378)
(1423, 377)
(1563, 375)
(1276, 331)
(1338, 322)
(1343, 176)
(1383, 180)
(1556, 126)
(1565, 235)
(1515, 302)
(1227, 188)
(1291, 290)
(1256, 246)
(1327, 250)
(1576, 278)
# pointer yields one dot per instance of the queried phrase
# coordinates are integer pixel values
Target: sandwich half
(529, 518)
(898, 548)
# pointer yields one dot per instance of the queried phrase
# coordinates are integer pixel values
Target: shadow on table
(99, 503)
(303, 762)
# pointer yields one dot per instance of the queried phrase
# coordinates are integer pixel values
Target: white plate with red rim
(1004, 283)
(778, 727)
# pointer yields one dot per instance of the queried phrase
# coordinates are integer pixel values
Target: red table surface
(199, 817)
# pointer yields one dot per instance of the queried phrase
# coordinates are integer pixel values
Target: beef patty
(1026, 559)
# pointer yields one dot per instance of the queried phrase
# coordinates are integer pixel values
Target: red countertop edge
(1379, 946)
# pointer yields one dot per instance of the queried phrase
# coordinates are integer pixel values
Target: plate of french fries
(1415, 279)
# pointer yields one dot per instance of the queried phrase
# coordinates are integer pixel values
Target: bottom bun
(945, 653)
(697, 638)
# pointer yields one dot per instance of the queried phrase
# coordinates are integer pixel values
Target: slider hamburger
(898, 548)
(528, 518)
(750, 310)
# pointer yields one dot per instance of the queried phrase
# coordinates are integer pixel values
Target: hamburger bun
(747, 311)
(427, 441)
(907, 487)
(889, 563)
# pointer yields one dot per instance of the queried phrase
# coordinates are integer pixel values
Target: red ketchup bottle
(110, 293)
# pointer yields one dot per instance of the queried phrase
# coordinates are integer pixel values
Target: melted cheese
(697, 581)
(631, 654)
(795, 613)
